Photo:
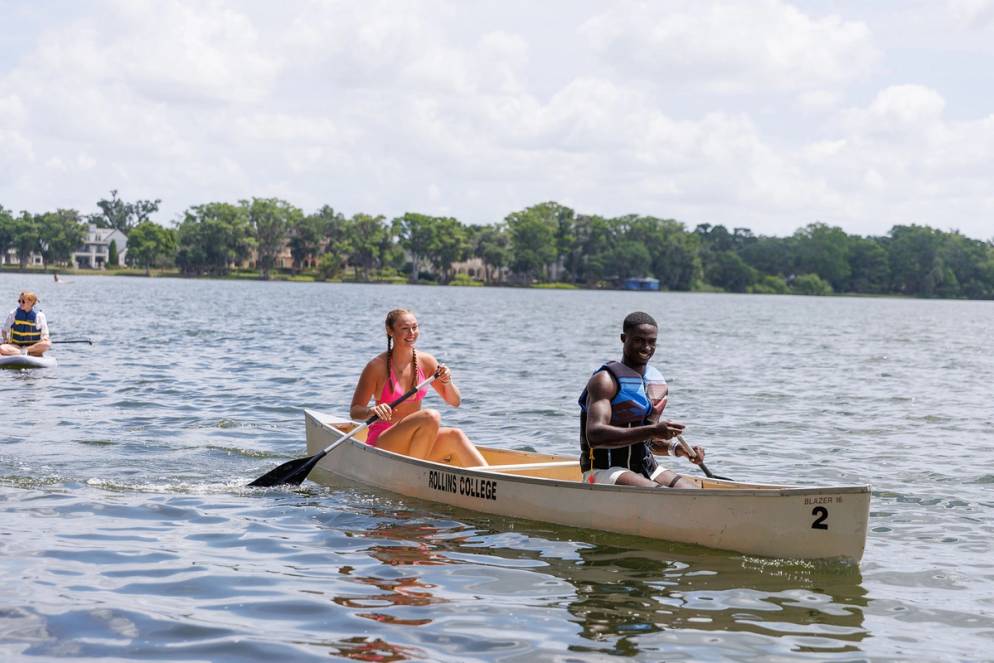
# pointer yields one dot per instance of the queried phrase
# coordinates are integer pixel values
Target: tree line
(544, 243)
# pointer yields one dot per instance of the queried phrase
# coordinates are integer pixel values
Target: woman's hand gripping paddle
(295, 471)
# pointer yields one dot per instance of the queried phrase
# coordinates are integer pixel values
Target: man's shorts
(611, 474)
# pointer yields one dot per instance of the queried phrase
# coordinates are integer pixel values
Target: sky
(763, 114)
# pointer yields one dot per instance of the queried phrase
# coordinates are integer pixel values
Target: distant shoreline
(279, 277)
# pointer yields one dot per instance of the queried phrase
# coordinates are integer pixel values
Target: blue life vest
(25, 330)
(631, 406)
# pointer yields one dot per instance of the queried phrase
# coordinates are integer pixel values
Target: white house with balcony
(9, 257)
(96, 248)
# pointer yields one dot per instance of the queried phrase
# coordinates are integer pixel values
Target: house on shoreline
(93, 254)
(96, 248)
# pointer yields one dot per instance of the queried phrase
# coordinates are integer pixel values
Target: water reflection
(361, 648)
(410, 546)
(627, 596)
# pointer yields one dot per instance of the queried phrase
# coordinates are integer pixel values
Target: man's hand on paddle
(694, 454)
(665, 429)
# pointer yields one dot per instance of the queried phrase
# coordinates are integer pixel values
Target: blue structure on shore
(644, 283)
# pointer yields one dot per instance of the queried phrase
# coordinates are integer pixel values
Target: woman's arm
(360, 410)
(444, 385)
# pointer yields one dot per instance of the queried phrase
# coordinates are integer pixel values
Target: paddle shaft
(295, 471)
(75, 340)
(369, 422)
(707, 472)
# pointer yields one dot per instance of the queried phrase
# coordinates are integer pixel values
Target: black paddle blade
(712, 475)
(293, 472)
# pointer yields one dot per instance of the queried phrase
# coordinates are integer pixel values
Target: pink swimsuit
(391, 392)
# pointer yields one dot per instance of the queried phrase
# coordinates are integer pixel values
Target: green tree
(628, 258)
(212, 237)
(25, 237)
(915, 264)
(533, 234)
(366, 235)
(112, 257)
(565, 219)
(811, 284)
(673, 251)
(335, 237)
(728, 271)
(60, 233)
(150, 245)
(306, 238)
(868, 264)
(122, 215)
(329, 266)
(715, 239)
(6, 233)
(271, 220)
(770, 255)
(770, 284)
(417, 234)
(824, 250)
(968, 260)
(450, 244)
(492, 246)
(593, 237)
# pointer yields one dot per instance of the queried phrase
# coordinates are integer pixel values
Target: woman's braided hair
(391, 319)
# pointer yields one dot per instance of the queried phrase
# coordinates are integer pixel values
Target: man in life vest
(25, 329)
(620, 424)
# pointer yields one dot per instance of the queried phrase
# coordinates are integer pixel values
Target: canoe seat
(524, 466)
(564, 470)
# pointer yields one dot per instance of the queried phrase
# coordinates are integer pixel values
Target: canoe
(765, 520)
(27, 361)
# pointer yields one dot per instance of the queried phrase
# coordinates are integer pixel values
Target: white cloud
(731, 47)
(818, 100)
(386, 107)
(917, 165)
(907, 106)
(974, 13)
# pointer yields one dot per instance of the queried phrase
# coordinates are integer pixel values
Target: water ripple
(128, 531)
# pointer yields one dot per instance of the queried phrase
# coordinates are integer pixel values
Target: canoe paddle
(709, 473)
(75, 340)
(295, 471)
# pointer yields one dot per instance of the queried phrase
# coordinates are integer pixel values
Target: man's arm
(600, 432)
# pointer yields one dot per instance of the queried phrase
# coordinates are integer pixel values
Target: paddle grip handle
(407, 394)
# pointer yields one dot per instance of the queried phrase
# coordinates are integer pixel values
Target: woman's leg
(453, 446)
(413, 435)
(8, 349)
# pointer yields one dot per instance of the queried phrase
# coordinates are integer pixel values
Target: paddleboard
(27, 361)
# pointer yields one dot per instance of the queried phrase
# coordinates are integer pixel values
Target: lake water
(127, 532)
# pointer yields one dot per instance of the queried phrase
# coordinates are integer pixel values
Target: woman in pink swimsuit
(407, 429)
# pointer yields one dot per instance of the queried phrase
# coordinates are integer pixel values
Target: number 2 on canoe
(822, 514)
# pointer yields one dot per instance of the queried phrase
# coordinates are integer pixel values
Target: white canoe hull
(27, 361)
(756, 519)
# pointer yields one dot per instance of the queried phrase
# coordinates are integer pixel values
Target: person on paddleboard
(620, 417)
(407, 429)
(25, 329)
